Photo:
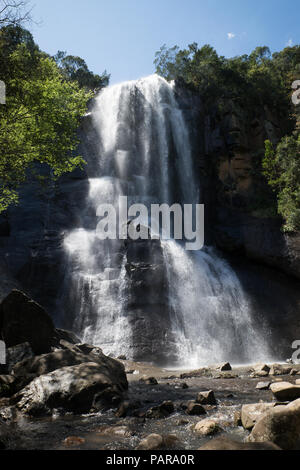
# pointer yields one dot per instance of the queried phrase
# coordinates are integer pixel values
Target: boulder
(127, 407)
(60, 334)
(148, 380)
(280, 369)
(206, 398)
(285, 391)
(89, 349)
(161, 411)
(156, 442)
(79, 388)
(237, 418)
(151, 442)
(73, 441)
(263, 385)
(261, 368)
(280, 425)
(195, 409)
(224, 366)
(203, 372)
(17, 354)
(260, 373)
(225, 443)
(252, 413)
(6, 382)
(297, 382)
(206, 427)
(46, 363)
(24, 321)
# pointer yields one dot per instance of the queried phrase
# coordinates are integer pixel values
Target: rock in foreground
(253, 412)
(280, 425)
(24, 321)
(80, 389)
(284, 391)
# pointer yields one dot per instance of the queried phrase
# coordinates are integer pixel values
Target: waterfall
(143, 151)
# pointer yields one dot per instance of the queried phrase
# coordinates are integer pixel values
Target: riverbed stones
(24, 321)
(280, 369)
(206, 427)
(261, 368)
(280, 425)
(251, 413)
(148, 380)
(224, 366)
(73, 441)
(194, 409)
(127, 407)
(203, 372)
(206, 398)
(114, 431)
(237, 418)
(285, 391)
(151, 442)
(259, 374)
(79, 388)
(263, 385)
(161, 411)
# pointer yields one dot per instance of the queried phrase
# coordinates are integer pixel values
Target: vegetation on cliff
(256, 80)
(46, 97)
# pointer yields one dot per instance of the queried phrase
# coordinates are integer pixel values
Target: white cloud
(290, 43)
(231, 35)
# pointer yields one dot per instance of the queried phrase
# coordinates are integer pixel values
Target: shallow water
(231, 394)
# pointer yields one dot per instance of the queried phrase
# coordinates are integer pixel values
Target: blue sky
(122, 36)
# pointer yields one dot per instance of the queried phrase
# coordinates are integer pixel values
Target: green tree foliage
(258, 78)
(75, 69)
(282, 169)
(38, 124)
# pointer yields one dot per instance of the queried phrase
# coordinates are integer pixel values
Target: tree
(14, 12)
(75, 69)
(282, 169)
(42, 113)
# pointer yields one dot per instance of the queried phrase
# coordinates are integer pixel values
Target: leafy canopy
(44, 107)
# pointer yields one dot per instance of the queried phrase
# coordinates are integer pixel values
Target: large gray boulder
(79, 389)
(251, 413)
(280, 425)
(47, 363)
(27, 370)
(24, 321)
(285, 391)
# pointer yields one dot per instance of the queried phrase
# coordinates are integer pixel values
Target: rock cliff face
(243, 218)
(225, 148)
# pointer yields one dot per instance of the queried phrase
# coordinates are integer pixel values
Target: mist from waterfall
(144, 152)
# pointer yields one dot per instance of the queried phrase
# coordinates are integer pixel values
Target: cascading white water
(144, 153)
